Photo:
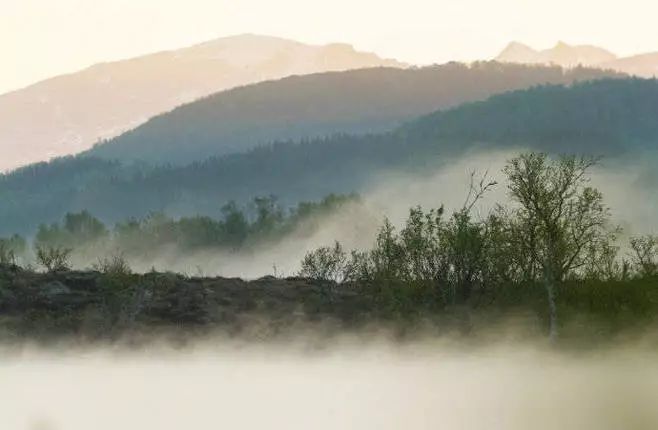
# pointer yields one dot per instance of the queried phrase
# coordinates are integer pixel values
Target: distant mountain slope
(609, 117)
(357, 101)
(644, 65)
(69, 113)
(562, 54)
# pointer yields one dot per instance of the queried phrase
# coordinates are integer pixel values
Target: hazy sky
(42, 38)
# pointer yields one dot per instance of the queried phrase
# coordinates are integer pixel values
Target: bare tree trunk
(549, 282)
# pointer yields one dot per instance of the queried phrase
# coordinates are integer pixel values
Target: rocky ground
(95, 305)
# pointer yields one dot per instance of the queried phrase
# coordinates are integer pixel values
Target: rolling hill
(68, 114)
(319, 105)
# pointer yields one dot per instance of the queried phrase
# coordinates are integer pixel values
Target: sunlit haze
(328, 214)
(43, 38)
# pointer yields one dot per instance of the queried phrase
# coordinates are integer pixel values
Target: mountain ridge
(643, 65)
(561, 54)
(68, 113)
(313, 106)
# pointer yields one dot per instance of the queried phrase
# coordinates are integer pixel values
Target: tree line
(235, 228)
(556, 228)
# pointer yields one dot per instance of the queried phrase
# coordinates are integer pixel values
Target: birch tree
(560, 213)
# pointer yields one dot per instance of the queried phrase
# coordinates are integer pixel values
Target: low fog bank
(633, 202)
(375, 386)
(628, 187)
(354, 225)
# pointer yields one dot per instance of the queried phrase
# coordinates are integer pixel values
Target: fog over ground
(633, 207)
(375, 386)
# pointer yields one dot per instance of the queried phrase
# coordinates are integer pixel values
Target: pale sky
(43, 38)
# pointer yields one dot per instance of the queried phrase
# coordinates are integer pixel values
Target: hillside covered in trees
(318, 105)
(607, 118)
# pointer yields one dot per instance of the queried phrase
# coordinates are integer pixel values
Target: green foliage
(113, 265)
(326, 264)
(429, 252)
(556, 232)
(602, 262)
(564, 217)
(239, 227)
(269, 216)
(7, 255)
(77, 229)
(54, 259)
(83, 227)
(447, 256)
(562, 214)
(421, 240)
(645, 255)
(387, 256)
(12, 249)
(236, 227)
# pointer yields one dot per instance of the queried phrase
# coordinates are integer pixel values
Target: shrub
(53, 258)
(327, 263)
(114, 265)
(7, 255)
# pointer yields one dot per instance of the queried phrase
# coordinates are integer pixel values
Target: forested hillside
(605, 117)
(608, 118)
(312, 106)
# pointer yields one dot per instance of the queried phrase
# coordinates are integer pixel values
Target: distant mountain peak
(566, 55)
(562, 54)
(248, 38)
(514, 45)
(516, 52)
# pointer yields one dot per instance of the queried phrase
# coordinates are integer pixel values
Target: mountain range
(298, 137)
(565, 55)
(71, 113)
(68, 114)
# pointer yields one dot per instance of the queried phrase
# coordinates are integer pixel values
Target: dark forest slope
(355, 102)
